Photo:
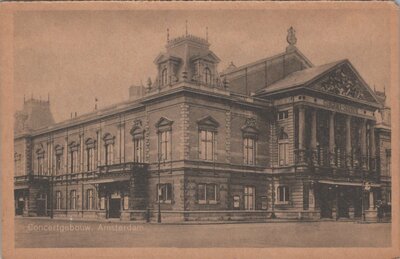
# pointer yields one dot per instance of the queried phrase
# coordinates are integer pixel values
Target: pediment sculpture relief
(344, 82)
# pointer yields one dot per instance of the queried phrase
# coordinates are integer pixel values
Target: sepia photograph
(202, 127)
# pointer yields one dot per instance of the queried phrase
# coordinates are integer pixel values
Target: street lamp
(159, 189)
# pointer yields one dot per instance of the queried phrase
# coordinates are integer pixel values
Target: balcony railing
(102, 170)
(338, 162)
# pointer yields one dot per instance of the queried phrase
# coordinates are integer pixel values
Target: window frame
(247, 149)
(204, 144)
(72, 200)
(58, 200)
(286, 194)
(89, 199)
(284, 113)
(166, 193)
(247, 196)
(205, 194)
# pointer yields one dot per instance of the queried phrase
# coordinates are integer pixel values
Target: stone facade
(251, 143)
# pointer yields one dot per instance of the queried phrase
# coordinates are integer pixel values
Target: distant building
(279, 136)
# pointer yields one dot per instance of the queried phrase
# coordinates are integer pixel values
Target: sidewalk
(277, 220)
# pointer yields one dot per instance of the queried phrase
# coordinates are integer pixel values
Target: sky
(76, 56)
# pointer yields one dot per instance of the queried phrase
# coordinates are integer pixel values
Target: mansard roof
(338, 78)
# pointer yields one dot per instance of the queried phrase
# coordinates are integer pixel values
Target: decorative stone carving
(343, 82)
(291, 37)
(251, 122)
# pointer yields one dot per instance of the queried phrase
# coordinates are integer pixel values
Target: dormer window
(207, 76)
(164, 77)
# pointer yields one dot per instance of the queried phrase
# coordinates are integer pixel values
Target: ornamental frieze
(344, 82)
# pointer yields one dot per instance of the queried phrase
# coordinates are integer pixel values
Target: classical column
(66, 155)
(123, 142)
(81, 152)
(363, 140)
(348, 142)
(372, 145)
(371, 201)
(332, 153)
(302, 128)
(313, 143)
(98, 132)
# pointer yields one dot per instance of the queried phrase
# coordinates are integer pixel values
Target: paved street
(63, 233)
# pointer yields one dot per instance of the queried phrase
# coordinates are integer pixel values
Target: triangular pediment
(162, 122)
(344, 80)
(210, 56)
(162, 57)
(208, 121)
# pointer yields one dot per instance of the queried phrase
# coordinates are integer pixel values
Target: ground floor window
(249, 198)
(164, 192)
(102, 203)
(58, 200)
(207, 193)
(283, 194)
(72, 198)
(126, 202)
(90, 199)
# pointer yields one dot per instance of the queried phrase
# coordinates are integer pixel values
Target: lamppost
(273, 216)
(159, 189)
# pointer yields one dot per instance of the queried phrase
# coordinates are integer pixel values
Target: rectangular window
(90, 159)
(58, 200)
(249, 150)
(283, 115)
(109, 155)
(388, 162)
(207, 139)
(164, 192)
(283, 154)
(102, 203)
(58, 163)
(249, 198)
(138, 150)
(283, 194)
(207, 193)
(164, 144)
(126, 202)
(40, 161)
(89, 199)
(74, 161)
(72, 197)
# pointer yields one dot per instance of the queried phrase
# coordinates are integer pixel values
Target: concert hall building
(279, 137)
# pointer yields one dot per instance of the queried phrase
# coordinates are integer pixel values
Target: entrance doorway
(115, 208)
(19, 208)
(343, 203)
(326, 200)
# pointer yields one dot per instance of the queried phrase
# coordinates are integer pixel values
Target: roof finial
(48, 97)
(291, 37)
(186, 28)
(207, 34)
(24, 98)
(167, 34)
(384, 89)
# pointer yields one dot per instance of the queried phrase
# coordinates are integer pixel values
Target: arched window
(109, 148)
(207, 75)
(164, 77)
(137, 133)
(208, 129)
(283, 146)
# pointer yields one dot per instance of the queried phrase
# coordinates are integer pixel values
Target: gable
(163, 122)
(208, 122)
(343, 80)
